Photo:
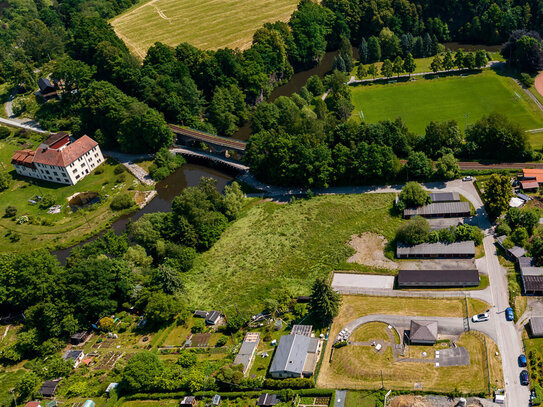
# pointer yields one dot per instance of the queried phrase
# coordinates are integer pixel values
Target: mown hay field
(462, 98)
(206, 24)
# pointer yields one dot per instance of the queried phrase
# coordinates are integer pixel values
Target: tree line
(215, 90)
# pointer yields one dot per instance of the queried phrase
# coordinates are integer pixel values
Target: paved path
(128, 161)
(340, 398)
(446, 325)
(25, 124)
(352, 80)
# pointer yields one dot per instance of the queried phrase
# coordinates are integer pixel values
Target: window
(82, 165)
(77, 177)
(58, 179)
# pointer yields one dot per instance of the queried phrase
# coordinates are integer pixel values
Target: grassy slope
(68, 226)
(208, 24)
(284, 246)
(448, 98)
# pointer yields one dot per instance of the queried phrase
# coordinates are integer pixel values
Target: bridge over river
(217, 142)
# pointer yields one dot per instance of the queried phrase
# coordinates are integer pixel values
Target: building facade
(59, 159)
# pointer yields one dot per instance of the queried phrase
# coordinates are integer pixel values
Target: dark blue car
(524, 378)
(522, 361)
(509, 314)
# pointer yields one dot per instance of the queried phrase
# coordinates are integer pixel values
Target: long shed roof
(442, 277)
(461, 248)
(439, 208)
(536, 325)
(445, 196)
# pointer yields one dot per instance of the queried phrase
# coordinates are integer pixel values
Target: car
(467, 178)
(522, 361)
(524, 378)
(480, 317)
(509, 314)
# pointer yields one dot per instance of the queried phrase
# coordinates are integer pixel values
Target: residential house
(74, 355)
(247, 351)
(59, 159)
(531, 276)
(46, 89)
(438, 278)
(436, 250)
(440, 210)
(296, 356)
(423, 332)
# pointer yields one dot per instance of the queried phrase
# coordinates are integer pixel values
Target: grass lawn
(273, 247)
(204, 24)
(363, 399)
(360, 376)
(55, 230)
(423, 100)
(371, 331)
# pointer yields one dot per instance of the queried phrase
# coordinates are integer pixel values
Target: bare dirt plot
(200, 340)
(370, 251)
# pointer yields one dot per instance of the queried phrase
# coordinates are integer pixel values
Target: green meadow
(464, 98)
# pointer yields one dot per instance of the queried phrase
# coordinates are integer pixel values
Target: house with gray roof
(531, 276)
(296, 356)
(423, 332)
(247, 351)
(440, 210)
(436, 250)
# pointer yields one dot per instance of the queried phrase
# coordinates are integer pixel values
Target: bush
(121, 201)
(99, 170)
(119, 169)
(526, 80)
(341, 344)
(519, 236)
(46, 201)
(198, 326)
(5, 180)
(413, 194)
(222, 341)
(503, 229)
(297, 383)
(4, 132)
(11, 211)
(414, 231)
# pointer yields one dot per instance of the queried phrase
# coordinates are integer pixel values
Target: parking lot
(349, 280)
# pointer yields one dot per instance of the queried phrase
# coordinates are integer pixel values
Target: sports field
(462, 98)
(206, 24)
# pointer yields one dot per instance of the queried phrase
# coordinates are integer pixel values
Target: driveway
(446, 325)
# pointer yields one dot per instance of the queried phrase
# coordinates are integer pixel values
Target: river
(294, 84)
(187, 176)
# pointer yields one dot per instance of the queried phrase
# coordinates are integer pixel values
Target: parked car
(509, 314)
(524, 378)
(522, 361)
(481, 317)
(467, 178)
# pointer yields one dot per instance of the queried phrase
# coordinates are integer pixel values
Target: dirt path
(539, 83)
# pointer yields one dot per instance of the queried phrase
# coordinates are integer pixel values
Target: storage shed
(438, 278)
(436, 250)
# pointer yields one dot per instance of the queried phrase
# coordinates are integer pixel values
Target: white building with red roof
(59, 159)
